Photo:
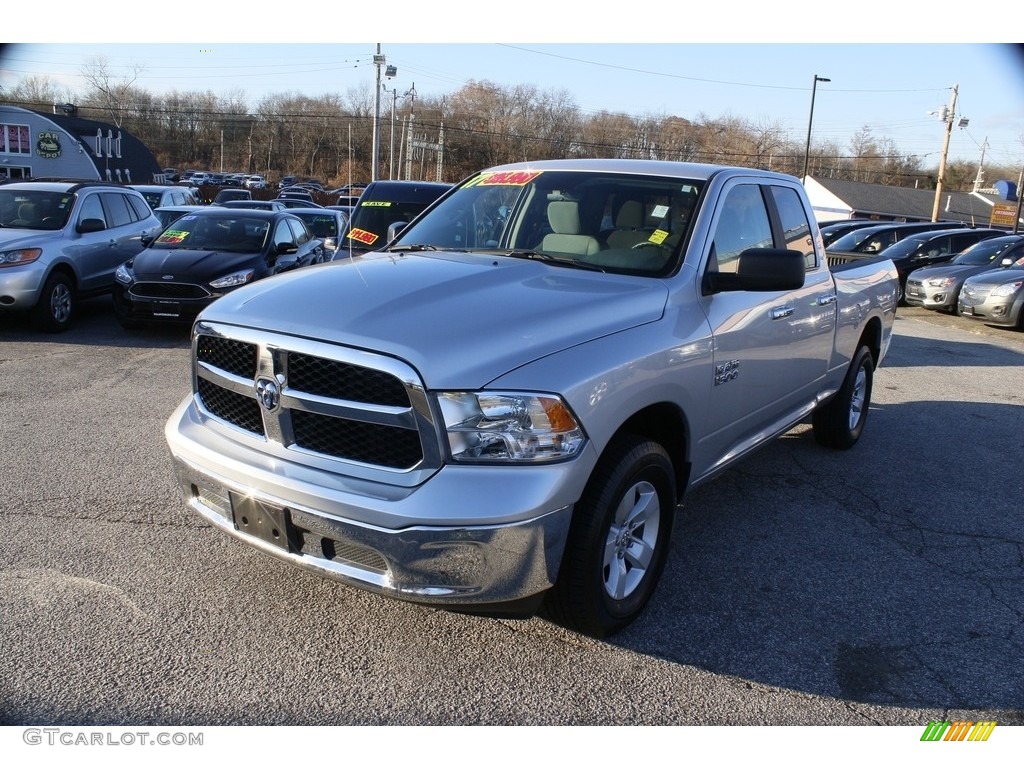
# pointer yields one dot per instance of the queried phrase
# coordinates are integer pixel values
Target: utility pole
(979, 180)
(945, 151)
(378, 62)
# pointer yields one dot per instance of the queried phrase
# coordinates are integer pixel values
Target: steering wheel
(647, 244)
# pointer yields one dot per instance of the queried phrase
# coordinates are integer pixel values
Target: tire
(56, 307)
(839, 422)
(618, 540)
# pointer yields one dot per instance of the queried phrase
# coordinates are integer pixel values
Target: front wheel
(839, 422)
(618, 540)
(56, 306)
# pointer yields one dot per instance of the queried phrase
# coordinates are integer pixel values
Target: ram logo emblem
(268, 394)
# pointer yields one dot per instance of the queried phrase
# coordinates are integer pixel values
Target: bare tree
(115, 96)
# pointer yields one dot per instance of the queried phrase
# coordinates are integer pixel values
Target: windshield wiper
(538, 256)
(414, 247)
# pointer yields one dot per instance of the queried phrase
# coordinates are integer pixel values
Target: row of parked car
(974, 272)
(62, 241)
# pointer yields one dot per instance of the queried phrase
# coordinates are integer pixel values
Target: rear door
(771, 349)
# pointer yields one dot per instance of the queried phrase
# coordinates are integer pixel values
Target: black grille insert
(237, 357)
(169, 291)
(378, 444)
(344, 381)
(242, 411)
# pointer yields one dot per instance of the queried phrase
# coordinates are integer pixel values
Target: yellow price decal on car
(172, 237)
(504, 178)
(363, 236)
(657, 236)
(376, 204)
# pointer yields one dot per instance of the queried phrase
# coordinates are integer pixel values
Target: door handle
(780, 312)
(827, 299)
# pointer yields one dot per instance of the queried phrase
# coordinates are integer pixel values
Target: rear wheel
(618, 540)
(56, 306)
(839, 422)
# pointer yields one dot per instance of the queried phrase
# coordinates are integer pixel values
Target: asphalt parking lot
(805, 587)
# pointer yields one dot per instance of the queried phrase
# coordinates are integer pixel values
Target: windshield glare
(981, 253)
(235, 234)
(617, 222)
(34, 209)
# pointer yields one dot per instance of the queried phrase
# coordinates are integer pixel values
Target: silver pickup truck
(501, 410)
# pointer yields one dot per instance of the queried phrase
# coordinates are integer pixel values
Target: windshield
(615, 222)
(34, 209)
(906, 247)
(235, 234)
(371, 219)
(984, 252)
(323, 226)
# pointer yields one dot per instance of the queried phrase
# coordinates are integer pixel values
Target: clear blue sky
(888, 88)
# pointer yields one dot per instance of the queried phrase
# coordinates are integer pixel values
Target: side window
(283, 235)
(299, 231)
(742, 224)
(796, 227)
(960, 242)
(140, 206)
(117, 209)
(92, 209)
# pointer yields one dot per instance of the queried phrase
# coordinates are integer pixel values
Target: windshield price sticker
(657, 236)
(363, 236)
(504, 179)
(376, 204)
(172, 236)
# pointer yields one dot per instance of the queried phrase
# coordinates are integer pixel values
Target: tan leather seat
(564, 218)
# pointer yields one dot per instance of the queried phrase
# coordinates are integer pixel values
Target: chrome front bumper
(485, 559)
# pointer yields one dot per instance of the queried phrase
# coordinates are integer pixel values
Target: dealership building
(63, 145)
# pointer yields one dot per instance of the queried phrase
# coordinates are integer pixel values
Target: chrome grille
(973, 295)
(329, 404)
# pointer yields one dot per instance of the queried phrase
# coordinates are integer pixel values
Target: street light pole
(810, 122)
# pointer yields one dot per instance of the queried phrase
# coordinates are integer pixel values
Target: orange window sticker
(172, 237)
(363, 236)
(504, 179)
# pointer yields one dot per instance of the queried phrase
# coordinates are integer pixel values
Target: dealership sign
(48, 145)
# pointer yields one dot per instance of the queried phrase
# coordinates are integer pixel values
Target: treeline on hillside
(330, 137)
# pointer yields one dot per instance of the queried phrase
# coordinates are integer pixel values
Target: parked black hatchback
(204, 255)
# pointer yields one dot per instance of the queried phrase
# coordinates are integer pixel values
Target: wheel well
(664, 423)
(872, 338)
(65, 270)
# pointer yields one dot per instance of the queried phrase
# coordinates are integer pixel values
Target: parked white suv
(60, 241)
(255, 182)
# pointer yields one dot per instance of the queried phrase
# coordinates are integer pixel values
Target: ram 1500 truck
(502, 409)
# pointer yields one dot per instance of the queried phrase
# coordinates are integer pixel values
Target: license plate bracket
(266, 522)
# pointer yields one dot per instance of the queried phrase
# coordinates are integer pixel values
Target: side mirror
(90, 225)
(147, 240)
(1006, 262)
(395, 229)
(761, 269)
(280, 249)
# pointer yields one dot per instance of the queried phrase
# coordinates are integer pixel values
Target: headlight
(1008, 289)
(21, 256)
(509, 427)
(123, 275)
(941, 282)
(235, 278)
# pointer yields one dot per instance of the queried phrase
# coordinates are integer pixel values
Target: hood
(191, 265)
(461, 320)
(27, 238)
(996, 277)
(948, 270)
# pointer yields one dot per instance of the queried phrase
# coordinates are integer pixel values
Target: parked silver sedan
(938, 287)
(995, 297)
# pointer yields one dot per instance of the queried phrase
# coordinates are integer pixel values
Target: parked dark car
(204, 255)
(871, 241)
(171, 213)
(388, 205)
(296, 202)
(255, 205)
(231, 194)
(833, 230)
(938, 287)
(327, 224)
(295, 193)
(927, 248)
